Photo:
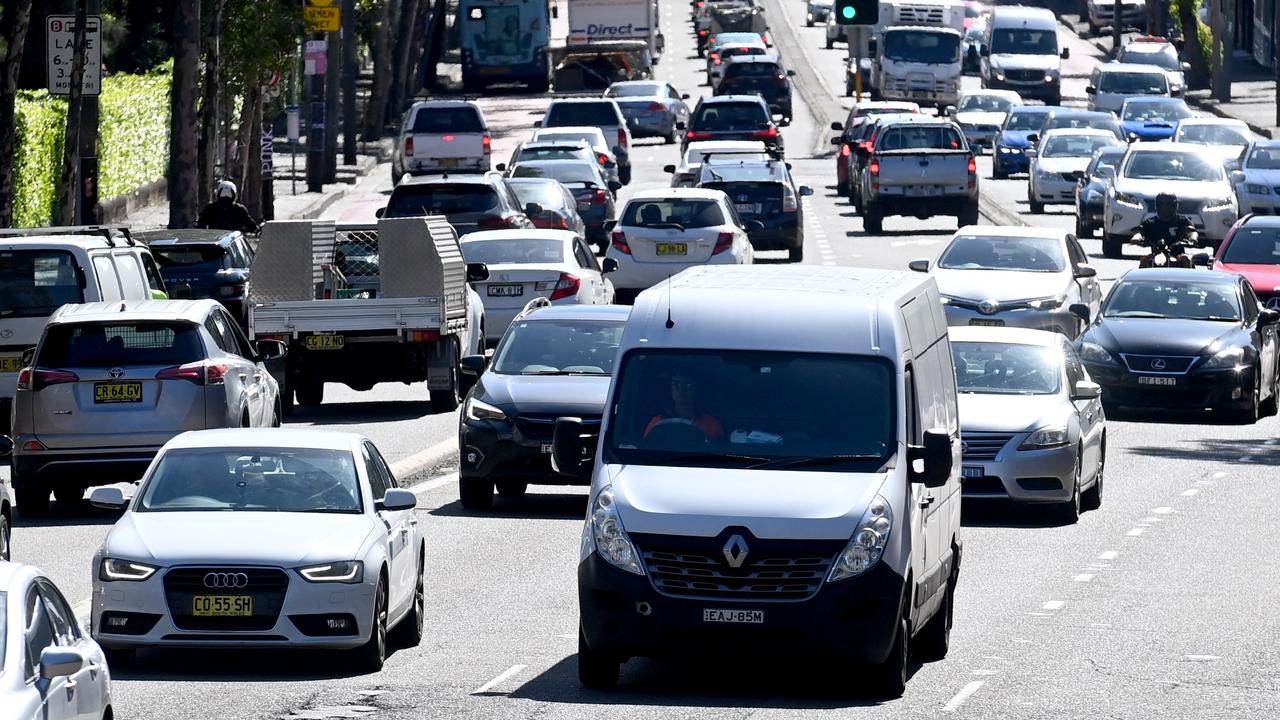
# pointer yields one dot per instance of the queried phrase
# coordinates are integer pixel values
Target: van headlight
(115, 569)
(866, 546)
(1049, 436)
(610, 537)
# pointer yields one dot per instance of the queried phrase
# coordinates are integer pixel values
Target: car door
(1266, 334)
(1088, 411)
(1090, 291)
(396, 533)
(58, 695)
(599, 294)
(262, 397)
(408, 530)
(239, 382)
(91, 689)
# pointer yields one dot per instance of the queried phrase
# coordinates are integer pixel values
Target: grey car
(1032, 425)
(652, 109)
(111, 382)
(1091, 196)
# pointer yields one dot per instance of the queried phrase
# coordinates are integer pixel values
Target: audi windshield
(253, 480)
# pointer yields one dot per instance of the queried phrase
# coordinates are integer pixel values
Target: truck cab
(916, 51)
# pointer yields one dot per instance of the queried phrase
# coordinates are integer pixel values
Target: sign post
(293, 128)
(60, 33)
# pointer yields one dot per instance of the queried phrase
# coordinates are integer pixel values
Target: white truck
(592, 21)
(915, 51)
(361, 304)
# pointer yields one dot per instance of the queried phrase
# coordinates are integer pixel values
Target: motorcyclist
(224, 213)
(1165, 233)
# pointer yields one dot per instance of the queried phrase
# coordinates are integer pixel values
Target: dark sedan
(594, 194)
(1184, 339)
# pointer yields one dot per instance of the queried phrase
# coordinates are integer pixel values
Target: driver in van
(684, 402)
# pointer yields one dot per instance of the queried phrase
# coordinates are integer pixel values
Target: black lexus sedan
(553, 361)
(1184, 339)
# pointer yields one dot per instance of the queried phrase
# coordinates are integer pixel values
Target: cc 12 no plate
(721, 615)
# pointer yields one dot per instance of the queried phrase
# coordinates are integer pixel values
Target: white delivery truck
(361, 304)
(915, 51)
(596, 20)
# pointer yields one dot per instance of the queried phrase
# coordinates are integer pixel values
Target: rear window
(563, 152)
(731, 116)
(413, 201)
(447, 119)
(34, 283)
(751, 69)
(515, 251)
(547, 194)
(190, 257)
(97, 345)
(920, 137)
(591, 138)
(594, 114)
(565, 172)
(742, 50)
(685, 213)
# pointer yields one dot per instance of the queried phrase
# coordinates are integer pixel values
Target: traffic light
(857, 12)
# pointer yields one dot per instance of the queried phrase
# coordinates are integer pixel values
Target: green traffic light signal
(857, 12)
(848, 12)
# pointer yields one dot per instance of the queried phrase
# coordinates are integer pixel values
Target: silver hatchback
(111, 382)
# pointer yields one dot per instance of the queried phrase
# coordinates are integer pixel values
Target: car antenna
(670, 323)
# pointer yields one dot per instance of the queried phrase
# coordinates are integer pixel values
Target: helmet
(226, 189)
(1166, 205)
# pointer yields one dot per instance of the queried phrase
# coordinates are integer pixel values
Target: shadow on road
(985, 512)
(246, 666)
(534, 505)
(357, 413)
(1234, 451)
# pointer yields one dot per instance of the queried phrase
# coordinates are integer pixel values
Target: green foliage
(134, 131)
(1203, 33)
(41, 127)
(258, 39)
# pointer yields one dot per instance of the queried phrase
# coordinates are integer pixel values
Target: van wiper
(812, 461)
(707, 456)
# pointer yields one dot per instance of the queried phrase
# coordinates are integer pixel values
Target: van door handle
(926, 501)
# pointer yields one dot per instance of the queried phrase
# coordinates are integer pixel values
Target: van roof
(1011, 14)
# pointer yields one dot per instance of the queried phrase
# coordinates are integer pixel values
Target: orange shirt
(706, 423)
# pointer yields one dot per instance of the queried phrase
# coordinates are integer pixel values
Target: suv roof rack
(535, 304)
(106, 232)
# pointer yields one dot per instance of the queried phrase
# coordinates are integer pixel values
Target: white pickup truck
(916, 51)
(919, 166)
(439, 136)
(361, 304)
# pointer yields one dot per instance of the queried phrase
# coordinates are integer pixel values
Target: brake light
(488, 144)
(716, 59)
(551, 222)
(656, 107)
(973, 166)
(200, 373)
(845, 150)
(724, 241)
(789, 201)
(695, 135)
(599, 197)
(496, 223)
(765, 38)
(771, 132)
(866, 145)
(567, 286)
(874, 167)
(34, 446)
(622, 137)
(40, 378)
(702, 33)
(408, 146)
(619, 242)
(448, 138)
(602, 159)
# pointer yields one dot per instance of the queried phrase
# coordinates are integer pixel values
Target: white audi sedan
(261, 538)
(49, 669)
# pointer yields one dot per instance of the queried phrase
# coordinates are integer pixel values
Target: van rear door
(33, 283)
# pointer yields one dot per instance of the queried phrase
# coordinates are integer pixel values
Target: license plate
(673, 248)
(10, 364)
(117, 392)
(448, 162)
(545, 448)
(971, 471)
(748, 208)
(926, 190)
(222, 605)
(720, 615)
(1147, 380)
(987, 323)
(506, 290)
(325, 342)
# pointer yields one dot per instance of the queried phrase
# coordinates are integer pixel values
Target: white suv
(602, 113)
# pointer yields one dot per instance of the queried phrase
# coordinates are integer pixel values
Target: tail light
(602, 158)
(779, 79)
(874, 167)
(551, 222)
(408, 146)
(488, 144)
(40, 378)
(567, 286)
(845, 150)
(422, 335)
(866, 145)
(622, 138)
(771, 132)
(765, 38)
(599, 197)
(789, 203)
(715, 58)
(695, 135)
(448, 138)
(200, 373)
(619, 241)
(656, 107)
(724, 241)
(496, 223)
(34, 446)
(703, 33)
(973, 173)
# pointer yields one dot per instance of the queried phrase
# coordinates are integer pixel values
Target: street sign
(60, 38)
(315, 56)
(322, 16)
(268, 153)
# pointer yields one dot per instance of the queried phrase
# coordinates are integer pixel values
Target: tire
(872, 220)
(276, 415)
(370, 657)
(669, 138)
(888, 680)
(69, 497)
(934, 639)
(997, 172)
(795, 254)
(310, 392)
(119, 657)
(475, 493)
(409, 631)
(969, 215)
(842, 188)
(596, 670)
(1248, 414)
(1112, 246)
(1092, 498)
(830, 43)
(624, 174)
(1037, 208)
(446, 401)
(512, 488)
(1055, 100)
(32, 502)
(1082, 228)
(540, 86)
(1269, 406)
(1069, 511)
(6, 538)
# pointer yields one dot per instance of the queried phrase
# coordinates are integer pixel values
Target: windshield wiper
(563, 372)
(813, 461)
(707, 456)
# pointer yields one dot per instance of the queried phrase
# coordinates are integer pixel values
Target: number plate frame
(10, 364)
(102, 395)
(668, 249)
(497, 290)
(1158, 380)
(980, 322)
(222, 605)
(735, 616)
(325, 342)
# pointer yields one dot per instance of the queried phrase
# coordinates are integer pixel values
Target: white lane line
(1189, 492)
(1135, 532)
(1201, 658)
(1109, 555)
(506, 675)
(1162, 511)
(1218, 475)
(965, 693)
(1055, 604)
(1084, 577)
(434, 483)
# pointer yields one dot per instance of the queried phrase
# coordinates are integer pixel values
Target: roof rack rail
(106, 232)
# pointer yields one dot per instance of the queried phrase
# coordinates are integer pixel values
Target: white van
(42, 269)
(1113, 83)
(1020, 51)
(778, 467)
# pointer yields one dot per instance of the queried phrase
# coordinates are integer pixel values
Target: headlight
(1175, 89)
(1000, 77)
(479, 410)
(610, 537)
(347, 571)
(1050, 436)
(1217, 203)
(1048, 77)
(1256, 189)
(1048, 303)
(1228, 358)
(867, 544)
(1129, 199)
(1095, 353)
(114, 569)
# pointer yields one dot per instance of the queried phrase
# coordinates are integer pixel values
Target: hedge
(41, 126)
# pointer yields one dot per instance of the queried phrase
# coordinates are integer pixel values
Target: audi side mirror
(380, 212)
(108, 498)
(397, 499)
(838, 127)
(60, 662)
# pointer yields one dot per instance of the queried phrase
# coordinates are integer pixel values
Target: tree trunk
(1199, 75)
(209, 106)
(244, 140)
(184, 127)
(251, 191)
(13, 23)
(375, 111)
(69, 189)
(405, 27)
(412, 78)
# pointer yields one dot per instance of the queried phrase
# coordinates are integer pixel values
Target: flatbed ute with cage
(361, 304)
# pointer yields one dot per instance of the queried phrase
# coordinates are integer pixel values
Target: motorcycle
(1166, 254)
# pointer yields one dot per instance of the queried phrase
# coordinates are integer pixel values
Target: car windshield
(984, 252)
(120, 344)
(910, 136)
(1253, 246)
(665, 213)
(34, 283)
(1076, 145)
(1159, 112)
(1166, 57)
(985, 103)
(1021, 41)
(559, 347)
(258, 479)
(513, 251)
(545, 193)
(1172, 166)
(194, 258)
(995, 368)
(1263, 157)
(922, 47)
(1024, 120)
(1134, 83)
(635, 90)
(752, 408)
(594, 114)
(564, 171)
(418, 200)
(436, 119)
(1213, 135)
(731, 116)
(1173, 300)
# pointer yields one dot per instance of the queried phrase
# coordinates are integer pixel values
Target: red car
(858, 115)
(1252, 249)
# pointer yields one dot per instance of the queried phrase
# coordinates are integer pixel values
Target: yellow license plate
(117, 392)
(325, 342)
(10, 364)
(987, 323)
(222, 605)
(673, 248)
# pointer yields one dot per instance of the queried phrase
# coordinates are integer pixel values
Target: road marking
(1108, 555)
(965, 693)
(1189, 492)
(1084, 577)
(1055, 604)
(1218, 475)
(1162, 511)
(1201, 658)
(506, 675)
(1151, 520)
(1134, 532)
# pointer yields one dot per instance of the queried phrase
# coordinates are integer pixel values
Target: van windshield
(753, 409)
(1023, 41)
(34, 283)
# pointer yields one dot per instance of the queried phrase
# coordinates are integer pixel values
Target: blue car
(199, 264)
(1152, 118)
(1009, 154)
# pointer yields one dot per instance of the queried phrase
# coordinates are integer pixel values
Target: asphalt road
(1156, 605)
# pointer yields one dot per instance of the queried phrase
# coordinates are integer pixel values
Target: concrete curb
(317, 207)
(807, 81)
(419, 462)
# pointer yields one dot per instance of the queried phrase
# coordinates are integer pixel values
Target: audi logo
(226, 580)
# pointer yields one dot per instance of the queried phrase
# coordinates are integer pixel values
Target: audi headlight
(480, 410)
(1049, 303)
(350, 572)
(1049, 436)
(1130, 199)
(115, 569)
(1228, 358)
(1256, 189)
(866, 547)
(610, 537)
(1093, 352)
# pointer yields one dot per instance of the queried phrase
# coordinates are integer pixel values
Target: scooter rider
(1166, 232)
(224, 213)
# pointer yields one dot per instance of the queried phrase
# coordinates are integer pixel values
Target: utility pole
(1220, 79)
(349, 120)
(314, 54)
(1117, 27)
(331, 88)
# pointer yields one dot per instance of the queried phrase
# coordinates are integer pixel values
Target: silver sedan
(652, 109)
(1032, 424)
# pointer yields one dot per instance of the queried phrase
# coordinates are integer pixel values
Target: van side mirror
(1175, 92)
(614, 186)
(1090, 90)
(537, 123)
(935, 455)
(609, 265)
(1066, 54)
(477, 272)
(1033, 138)
(985, 51)
(1237, 177)
(1108, 172)
(1081, 311)
(949, 111)
(1268, 316)
(473, 364)
(805, 190)
(920, 265)
(500, 167)
(567, 448)
(1086, 390)
(681, 125)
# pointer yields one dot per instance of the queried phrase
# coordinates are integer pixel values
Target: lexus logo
(226, 580)
(988, 307)
(116, 373)
(1158, 364)
(735, 551)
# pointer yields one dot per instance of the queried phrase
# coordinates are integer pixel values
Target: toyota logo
(1158, 364)
(988, 307)
(735, 551)
(6, 333)
(116, 373)
(226, 580)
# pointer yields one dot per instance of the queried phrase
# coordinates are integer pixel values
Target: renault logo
(226, 580)
(735, 551)
(116, 373)
(1158, 364)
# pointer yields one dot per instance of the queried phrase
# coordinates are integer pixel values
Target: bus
(504, 41)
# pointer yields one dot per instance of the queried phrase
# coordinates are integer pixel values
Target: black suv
(468, 202)
(732, 117)
(761, 75)
(200, 264)
(766, 200)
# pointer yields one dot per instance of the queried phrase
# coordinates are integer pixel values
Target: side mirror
(1065, 54)
(537, 123)
(270, 349)
(838, 127)
(1033, 138)
(837, 140)
(949, 111)
(936, 456)
(791, 73)
(1030, 152)
(477, 272)
(1086, 390)
(1108, 172)
(1131, 138)
(669, 169)
(920, 265)
(1081, 311)
(28, 357)
(684, 96)
(500, 167)
(1090, 90)
(1185, 67)
(397, 499)
(1202, 259)
(567, 449)
(1237, 177)
(60, 662)
(1269, 316)
(108, 498)
(1086, 271)
(532, 209)
(614, 186)
(805, 191)
(6, 445)
(985, 51)
(681, 126)
(1175, 92)
(609, 265)
(753, 226)
(473, 364)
